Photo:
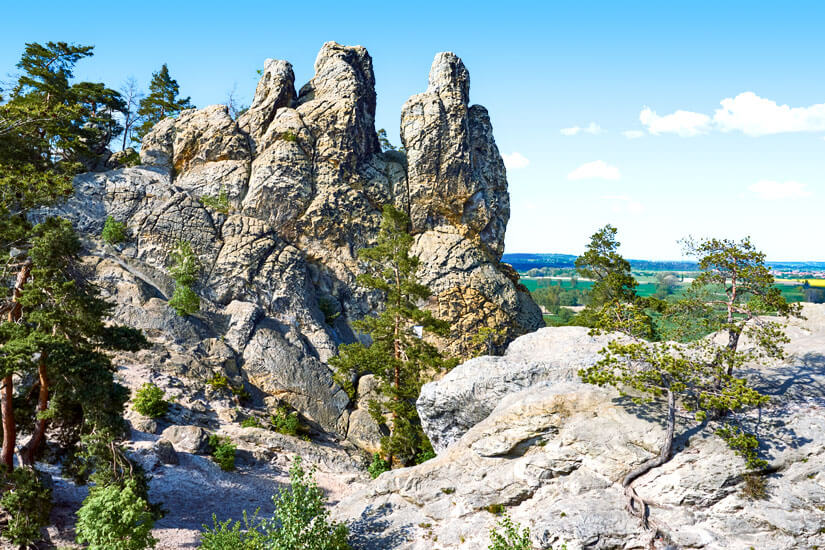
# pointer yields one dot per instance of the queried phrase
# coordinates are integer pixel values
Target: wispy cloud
(747, 113)
(596, 170)
(777, 190)
(633, 134)
(591, 128)
(624, 204)
(515, 160)
(683, 123)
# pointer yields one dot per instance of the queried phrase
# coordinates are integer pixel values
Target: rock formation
(304, 179)
(553, 451)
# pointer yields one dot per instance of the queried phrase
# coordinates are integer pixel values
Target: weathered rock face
(553, 451)
(468, 394)
(304, 181)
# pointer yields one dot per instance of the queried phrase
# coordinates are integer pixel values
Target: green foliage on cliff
(115, 518)
(184, 271)
(398, 356)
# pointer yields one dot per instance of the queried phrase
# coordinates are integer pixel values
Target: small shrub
(285, 422)
(495, 509)
(218, 382)
(223, 452)
(378, 466)
(113, 231)
(448, 490)
(328, 307)
(219, 203)
(755, 487)
(250, 422)
(241, 393)
(184, 271)
(149, 401)
(289, 135)
(115, 518)
(229, 535)
(26, 503)
(424, 456)
(302, 517)
(512, 536)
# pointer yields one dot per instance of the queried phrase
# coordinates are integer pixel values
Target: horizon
(602, 113)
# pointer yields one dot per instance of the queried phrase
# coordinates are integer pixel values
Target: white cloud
(515, 160)
(591, 128)
(633, 134)
(778, 190)
(757, 116)
(596, 170)
(623, 204)
(683, 123)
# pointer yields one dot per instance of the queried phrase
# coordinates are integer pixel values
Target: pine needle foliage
(397, 356)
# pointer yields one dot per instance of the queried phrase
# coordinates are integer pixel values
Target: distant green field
(790, 292)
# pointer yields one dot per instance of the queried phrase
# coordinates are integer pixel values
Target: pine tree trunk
(7, 407)
(635, 503)
(9, 425)
(29, 450)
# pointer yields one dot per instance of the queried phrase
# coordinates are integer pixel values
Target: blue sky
(660, 70)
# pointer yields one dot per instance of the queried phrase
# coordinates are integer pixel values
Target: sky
(664, 119)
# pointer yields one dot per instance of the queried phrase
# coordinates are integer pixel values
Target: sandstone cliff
(305, 179)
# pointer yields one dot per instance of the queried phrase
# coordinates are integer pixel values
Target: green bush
(219, 203)
(113, 231)
(378, 466)
(302, 518)
(300, 522)
(218, 382)
(149, 401)
(184, 271)
(223, 452)
(26, 503)
(250, 422)
(229, 535)
(512, 536)
(115, 518)
(285, 422)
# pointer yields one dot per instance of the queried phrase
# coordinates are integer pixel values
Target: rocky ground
(518, 433)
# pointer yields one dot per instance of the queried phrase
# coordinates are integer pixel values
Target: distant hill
(525, 262)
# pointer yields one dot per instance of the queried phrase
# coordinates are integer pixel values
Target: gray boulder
(187, 439)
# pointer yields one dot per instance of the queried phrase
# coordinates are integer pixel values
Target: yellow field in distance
(812, 282)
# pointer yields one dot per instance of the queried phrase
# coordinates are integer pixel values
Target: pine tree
(732, 295)
(53, 338)
(399, 358)
(162, 102)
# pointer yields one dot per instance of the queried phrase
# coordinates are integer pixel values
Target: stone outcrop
(552, 452)
(276, 206)
(468, 394)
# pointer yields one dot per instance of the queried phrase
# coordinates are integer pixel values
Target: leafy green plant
(26, 503)
(285, 422)
(184, 271)
(113, 231)
(302, 518)
(329, 308)
(115, 518)
(219, 203)
(511, 537)
(241, 393)
(234, 535)
(218, 382)
(378, 466)
(223, 452)
(300, 522)
(289, 135)
(250, 422)
(149, 401)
